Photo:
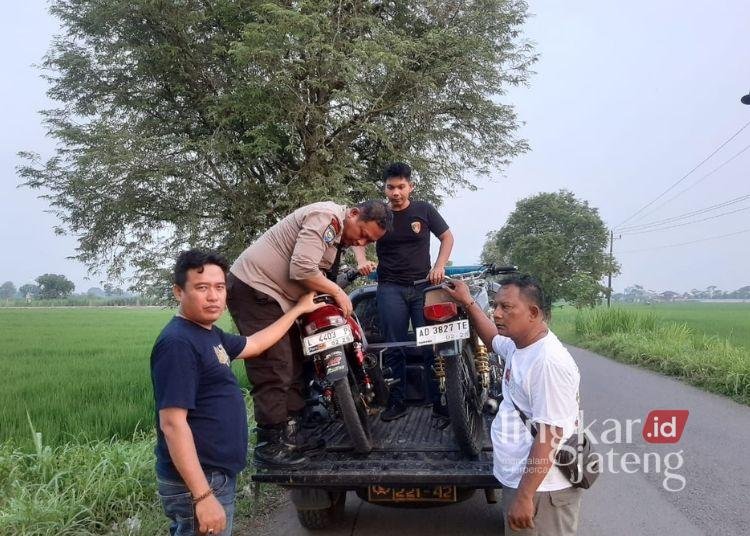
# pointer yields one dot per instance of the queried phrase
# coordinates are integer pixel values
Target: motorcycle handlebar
(475, 271)
(350, 275)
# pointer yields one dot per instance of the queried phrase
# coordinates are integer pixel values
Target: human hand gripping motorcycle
(436, 275)
(486, 329)
(307, 304)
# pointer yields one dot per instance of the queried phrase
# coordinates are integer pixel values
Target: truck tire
(353, 413)
(322, 518)
(466, 419)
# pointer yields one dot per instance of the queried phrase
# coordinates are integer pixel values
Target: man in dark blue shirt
(404, 257)
(201, 420)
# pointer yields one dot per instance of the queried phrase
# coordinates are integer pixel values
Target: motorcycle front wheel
(354, 413)
(464, 411)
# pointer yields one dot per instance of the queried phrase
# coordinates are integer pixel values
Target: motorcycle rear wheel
(353, 413)
(464, 411)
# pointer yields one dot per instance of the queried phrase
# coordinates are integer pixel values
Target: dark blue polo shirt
(404, 251)
(190, 369)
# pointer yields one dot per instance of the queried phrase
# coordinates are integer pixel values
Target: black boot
(273, 450)
(302, 442)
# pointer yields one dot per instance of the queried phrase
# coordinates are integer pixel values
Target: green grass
(730, 321)
(704, 344)
(81, 378)
(100, 487)
(80, 374)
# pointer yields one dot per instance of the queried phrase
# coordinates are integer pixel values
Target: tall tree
(52, 286)
(7, 290)
(559, 239)
(202, 122)
(29, 291)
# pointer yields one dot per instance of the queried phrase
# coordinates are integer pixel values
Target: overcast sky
(627, 99)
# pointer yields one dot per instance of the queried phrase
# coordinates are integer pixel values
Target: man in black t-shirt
(404, 257)
(201, 423)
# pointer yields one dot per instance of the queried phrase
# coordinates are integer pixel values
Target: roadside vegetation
(82, 301)
(707, 345)
(77, 424)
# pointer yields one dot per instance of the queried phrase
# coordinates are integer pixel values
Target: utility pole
(609, 279)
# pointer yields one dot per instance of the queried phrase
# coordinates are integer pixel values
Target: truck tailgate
(414, 450)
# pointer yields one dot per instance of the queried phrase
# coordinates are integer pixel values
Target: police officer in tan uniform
(266, 280)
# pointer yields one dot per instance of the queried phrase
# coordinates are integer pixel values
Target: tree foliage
(28, 290)
(187, 122)
(559, 239)
(52, 286)
(7, 291)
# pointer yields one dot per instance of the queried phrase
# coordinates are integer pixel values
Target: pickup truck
(415, 460)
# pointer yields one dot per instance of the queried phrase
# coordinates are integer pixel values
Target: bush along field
(77, 425)
(699, 343)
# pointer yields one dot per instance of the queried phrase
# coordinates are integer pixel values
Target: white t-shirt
(543, 380)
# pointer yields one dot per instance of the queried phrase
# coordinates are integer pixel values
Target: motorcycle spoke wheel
(354, 414)
(465, 413)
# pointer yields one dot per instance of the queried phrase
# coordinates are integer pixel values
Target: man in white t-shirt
(542, 379)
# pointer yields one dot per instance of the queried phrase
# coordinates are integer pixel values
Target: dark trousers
(276, 375)
(397, 305)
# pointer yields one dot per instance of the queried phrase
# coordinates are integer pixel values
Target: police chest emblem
(329, 235)
(221, 355)
(416, 226)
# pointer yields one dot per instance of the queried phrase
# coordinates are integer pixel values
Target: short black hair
(193, 259)
(377, 211)
(397, 169)
(531, 288)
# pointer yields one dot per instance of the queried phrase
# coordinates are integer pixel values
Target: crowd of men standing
(201, 427)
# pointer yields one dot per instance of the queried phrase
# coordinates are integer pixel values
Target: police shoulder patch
(329, 235)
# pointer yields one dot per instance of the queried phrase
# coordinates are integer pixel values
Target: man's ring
(210, 531)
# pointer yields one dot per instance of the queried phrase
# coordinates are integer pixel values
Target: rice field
(79, 379)
(79, 373)
(705, 344)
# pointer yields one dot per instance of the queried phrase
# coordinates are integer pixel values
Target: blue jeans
(178, 504)
(397, 304)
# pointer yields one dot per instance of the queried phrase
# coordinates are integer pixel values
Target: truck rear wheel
(353, 413)
(322, 518)
(466, 419)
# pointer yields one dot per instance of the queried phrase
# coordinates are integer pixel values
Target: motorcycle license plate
(421, 494)
(327, 339)
(451, 331)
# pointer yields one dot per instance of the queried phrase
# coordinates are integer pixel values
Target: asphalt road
(715, 449)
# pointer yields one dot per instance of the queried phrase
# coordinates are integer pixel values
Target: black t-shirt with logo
(404, 252)
(190, 370)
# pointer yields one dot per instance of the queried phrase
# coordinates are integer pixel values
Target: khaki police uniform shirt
(298, 247)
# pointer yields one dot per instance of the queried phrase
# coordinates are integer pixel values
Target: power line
(687, 243)
(628, 229)
(687, 222)
(704, 177)
(685, 176)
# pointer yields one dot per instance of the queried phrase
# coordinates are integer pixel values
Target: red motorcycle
(349, 380)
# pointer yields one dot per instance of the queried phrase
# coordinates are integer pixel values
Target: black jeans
(397, 305)
(276, 375)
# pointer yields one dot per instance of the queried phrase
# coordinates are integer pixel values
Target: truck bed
(414, 450)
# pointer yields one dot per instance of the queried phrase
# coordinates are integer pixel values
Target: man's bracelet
(470, 304)
(203, 495)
